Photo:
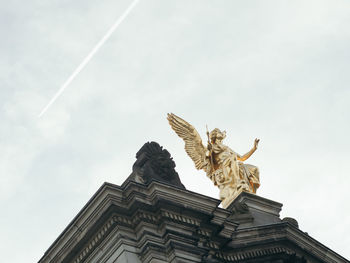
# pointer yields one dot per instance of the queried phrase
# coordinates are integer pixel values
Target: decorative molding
(251, 254)
(95, 241)
(180, 218)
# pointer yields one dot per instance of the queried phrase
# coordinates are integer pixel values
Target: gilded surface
(223, 166)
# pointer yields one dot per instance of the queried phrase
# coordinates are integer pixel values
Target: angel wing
(193, 142)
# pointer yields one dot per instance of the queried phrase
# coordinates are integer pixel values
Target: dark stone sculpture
(154, 163)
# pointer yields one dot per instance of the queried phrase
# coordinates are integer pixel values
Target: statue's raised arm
(223, 166)
(248, 154)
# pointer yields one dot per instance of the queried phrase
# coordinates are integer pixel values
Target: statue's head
(217, 135)
(155, 163)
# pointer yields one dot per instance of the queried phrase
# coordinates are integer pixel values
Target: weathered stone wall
(162, 223)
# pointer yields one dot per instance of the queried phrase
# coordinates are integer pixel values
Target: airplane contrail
(89, 56)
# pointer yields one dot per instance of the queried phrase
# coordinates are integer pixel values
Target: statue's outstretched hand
(256, 142)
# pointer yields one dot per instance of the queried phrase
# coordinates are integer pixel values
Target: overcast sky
(276, 70)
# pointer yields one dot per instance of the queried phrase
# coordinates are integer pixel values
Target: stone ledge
(258, 203)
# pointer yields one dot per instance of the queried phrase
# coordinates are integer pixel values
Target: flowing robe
(230, 173)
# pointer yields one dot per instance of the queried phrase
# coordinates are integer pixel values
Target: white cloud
(277, 70)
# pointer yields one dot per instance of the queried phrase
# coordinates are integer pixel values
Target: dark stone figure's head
(155, 163)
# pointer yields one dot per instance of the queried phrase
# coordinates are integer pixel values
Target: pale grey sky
(276, 70)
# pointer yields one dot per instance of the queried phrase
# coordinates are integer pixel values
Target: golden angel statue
(223, 166)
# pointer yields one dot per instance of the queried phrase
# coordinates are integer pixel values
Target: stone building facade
(153, 218)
